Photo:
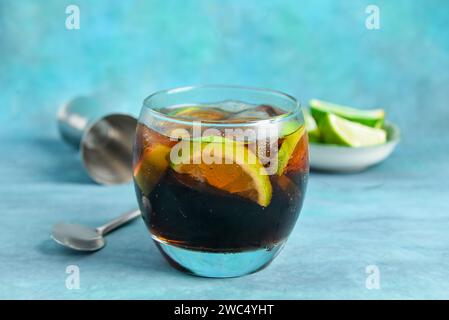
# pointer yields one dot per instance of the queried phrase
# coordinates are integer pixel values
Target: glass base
(217, 264)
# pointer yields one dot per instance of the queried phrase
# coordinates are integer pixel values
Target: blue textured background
(395, 215)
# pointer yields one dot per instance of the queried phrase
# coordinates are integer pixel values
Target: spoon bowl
(78, 237)
(82, 238)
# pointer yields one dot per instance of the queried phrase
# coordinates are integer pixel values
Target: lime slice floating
(216, 139)
(151, 167)
(336, 130)
(199, 113)
(239, 171)
(311, 127)
(373, 118)
(184, 111)
(288, 127)
(287, 149)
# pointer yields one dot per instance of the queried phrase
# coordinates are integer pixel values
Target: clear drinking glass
(220, 175)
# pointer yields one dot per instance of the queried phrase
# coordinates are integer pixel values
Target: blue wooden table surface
(394, 216)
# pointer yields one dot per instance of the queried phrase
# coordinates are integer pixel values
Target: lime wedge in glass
(199, 113)
(246, 177)
(287, 150)
(336, 130)
(373, 118)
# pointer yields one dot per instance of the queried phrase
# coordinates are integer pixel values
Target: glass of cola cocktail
(220, 174)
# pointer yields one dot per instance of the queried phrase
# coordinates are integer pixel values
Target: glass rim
(270, 120)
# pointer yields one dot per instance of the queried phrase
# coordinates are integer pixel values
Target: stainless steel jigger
(105, 142)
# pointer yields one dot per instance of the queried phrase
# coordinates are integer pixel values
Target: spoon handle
(118, 222)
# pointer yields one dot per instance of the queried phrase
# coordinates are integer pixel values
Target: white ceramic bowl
(346, 159)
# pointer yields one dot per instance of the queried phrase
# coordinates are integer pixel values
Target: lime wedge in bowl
(372, 118)
(337, 158)
(339, 131)
(311, 127)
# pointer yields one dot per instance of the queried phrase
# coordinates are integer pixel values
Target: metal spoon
(82, 238)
